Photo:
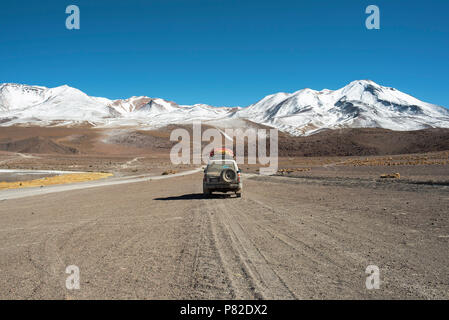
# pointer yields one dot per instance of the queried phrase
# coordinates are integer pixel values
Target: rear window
(219, 166)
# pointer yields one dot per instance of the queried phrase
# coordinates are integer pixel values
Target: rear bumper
(223, 186)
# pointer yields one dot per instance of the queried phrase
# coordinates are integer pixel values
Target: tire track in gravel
(315, 268)
(296, 263)
(199, 272)
(243, 257)
(242, 284)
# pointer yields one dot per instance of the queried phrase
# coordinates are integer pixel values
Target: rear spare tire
(228, 175)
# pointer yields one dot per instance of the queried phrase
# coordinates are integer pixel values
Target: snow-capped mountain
(360, 104)
(23, 104)
(40, 105)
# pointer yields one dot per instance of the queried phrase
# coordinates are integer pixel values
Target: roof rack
(222, 157)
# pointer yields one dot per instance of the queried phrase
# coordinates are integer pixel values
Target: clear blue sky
(225, 52)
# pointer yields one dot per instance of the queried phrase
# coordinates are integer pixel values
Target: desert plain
(340, 202)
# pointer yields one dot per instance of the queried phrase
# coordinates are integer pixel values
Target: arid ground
(308, 232)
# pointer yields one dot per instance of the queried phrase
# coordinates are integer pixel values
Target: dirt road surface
(287, 238)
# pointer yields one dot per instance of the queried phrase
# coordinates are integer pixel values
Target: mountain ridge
(360, 104)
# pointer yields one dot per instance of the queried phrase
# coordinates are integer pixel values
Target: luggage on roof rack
(221, 153)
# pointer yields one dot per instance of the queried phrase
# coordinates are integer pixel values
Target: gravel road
(286, 238)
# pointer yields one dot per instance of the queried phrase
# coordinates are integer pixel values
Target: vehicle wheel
(238, 194)
(206, 192)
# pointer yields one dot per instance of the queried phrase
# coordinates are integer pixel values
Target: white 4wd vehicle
(222, 175)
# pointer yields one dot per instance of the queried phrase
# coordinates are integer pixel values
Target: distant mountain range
(360, 104)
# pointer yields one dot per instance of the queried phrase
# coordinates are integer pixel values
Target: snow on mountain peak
(361, 103)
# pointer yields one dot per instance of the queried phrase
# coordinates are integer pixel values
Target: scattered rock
(391, 176)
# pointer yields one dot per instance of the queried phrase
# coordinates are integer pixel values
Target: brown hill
(343, 142)
(36, 145)
(364, 142)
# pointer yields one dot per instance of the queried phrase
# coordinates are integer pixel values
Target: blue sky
(225, 52)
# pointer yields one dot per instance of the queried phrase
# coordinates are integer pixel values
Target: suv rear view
(222, 175)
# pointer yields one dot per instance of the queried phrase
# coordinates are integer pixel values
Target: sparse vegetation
(60, 179)
(439, 158)
(290, 170)
(167, 172)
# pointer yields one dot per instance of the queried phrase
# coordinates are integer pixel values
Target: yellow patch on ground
(61, 179)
